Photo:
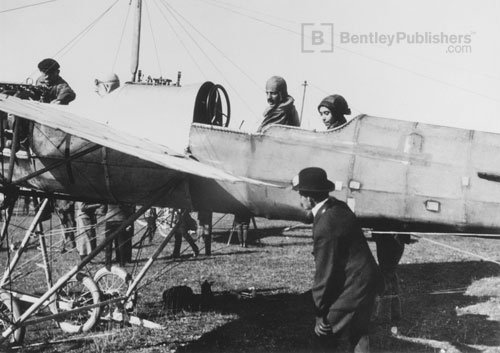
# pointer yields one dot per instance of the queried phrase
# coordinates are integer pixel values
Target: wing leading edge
(110, 137)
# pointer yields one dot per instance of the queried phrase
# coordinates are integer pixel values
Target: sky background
(240, 44)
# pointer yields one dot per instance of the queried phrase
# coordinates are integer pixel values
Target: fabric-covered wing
(110, 137)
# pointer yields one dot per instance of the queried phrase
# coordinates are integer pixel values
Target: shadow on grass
(284, 322)
(256, 235)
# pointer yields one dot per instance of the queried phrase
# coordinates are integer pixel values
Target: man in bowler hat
(347, 277)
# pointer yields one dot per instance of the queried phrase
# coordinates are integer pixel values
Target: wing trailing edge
(113, 138)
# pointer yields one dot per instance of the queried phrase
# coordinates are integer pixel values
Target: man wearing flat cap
(58, 90)
(281, 109)
(347, 277)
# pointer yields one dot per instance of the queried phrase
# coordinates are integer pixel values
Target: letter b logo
(317, 37)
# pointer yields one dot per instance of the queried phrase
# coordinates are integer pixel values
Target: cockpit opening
(212, 105)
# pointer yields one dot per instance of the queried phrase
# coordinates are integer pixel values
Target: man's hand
(322, 327)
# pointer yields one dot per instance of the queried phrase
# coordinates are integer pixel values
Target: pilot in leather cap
(336, 104)
(277, 84)
(48, 65)
(312, 179)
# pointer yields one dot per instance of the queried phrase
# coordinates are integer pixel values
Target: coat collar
(329, 203)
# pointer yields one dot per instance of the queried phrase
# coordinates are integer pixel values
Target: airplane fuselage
(393, 174)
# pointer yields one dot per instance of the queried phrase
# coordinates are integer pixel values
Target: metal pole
(136, 41)
(303, 99)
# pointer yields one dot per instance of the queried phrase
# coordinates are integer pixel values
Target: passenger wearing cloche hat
(58, 90)
(347, 278)
(332, 110)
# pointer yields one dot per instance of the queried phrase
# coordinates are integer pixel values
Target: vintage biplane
(396, 175)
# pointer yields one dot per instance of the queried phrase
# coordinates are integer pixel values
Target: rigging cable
(154, 38)
(420, 236)
(80, 35)
(170, 9)
(181, 41)
(121, 40)
(259, 86)
(353, 108)
(260, 13)
(380, 61)
(25, 6)
(431, 60)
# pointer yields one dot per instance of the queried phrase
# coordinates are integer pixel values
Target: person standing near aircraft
(241, 224)
(332, 110)
(347, 278)
(187, 223)
(85, 224)
(65, 210)
(58, 90)
(205, 230)
(390, 248)
(281, 109)
(115, 216)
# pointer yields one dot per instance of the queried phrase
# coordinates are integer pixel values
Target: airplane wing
(110, 137)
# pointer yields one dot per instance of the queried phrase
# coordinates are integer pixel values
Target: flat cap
(48, 65)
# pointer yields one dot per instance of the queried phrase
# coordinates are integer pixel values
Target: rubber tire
(91, 287)
(11, 305)
(120, 279)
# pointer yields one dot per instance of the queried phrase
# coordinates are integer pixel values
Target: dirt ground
(262, 303)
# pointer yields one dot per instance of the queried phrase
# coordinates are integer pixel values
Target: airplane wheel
(9, 311)
(78, 292)
(114, 283)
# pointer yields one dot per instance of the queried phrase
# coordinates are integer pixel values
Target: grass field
(451, 300)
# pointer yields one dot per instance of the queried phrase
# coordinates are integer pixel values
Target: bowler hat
(312, 179)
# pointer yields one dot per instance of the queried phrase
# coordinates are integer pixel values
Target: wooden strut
(66, 277)
(157, 253)
(12, 158)
(10, 211)
(134, 320)
(24, 243)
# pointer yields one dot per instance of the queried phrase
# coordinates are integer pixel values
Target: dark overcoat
(346, 271)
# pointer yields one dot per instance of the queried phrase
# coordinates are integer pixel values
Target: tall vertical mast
(303, 99)
(136, 40)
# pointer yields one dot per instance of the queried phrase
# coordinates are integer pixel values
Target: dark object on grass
(206, 296)
(180, 298)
